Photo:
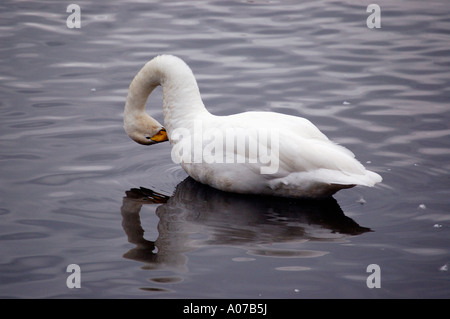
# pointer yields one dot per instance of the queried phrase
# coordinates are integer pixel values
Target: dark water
(69, 173)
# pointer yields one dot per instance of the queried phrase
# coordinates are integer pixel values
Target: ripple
(155, 289)
(243, 259)
(86, 168)
(427, 251)
(293, 268)
(167, 280)
(280, 253)
(30, 268)
(24, 236)
(62, 179)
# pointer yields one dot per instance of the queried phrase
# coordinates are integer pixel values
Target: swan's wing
(295, 125)
(323, 161)
(301, 150)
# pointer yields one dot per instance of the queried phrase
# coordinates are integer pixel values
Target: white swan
(308, 164)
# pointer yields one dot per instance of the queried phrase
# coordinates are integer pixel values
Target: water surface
(70, 178)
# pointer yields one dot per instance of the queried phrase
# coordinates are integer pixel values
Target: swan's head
(145, 130)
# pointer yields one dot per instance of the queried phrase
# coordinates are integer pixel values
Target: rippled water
(70, 178)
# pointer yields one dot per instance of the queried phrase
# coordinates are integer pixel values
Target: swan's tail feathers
(369, 179)
(373, 178)
(365, 178)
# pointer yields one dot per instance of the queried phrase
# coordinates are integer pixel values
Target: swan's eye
(148, 137)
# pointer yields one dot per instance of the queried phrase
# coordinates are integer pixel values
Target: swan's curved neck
(181, 96)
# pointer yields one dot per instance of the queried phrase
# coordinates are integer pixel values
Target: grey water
(74, 189)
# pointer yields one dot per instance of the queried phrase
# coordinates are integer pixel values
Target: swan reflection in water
(197, 215)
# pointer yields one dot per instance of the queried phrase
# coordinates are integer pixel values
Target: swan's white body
(308, 163)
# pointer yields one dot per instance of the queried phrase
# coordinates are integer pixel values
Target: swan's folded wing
(294, 150)
(321, 160)
(305, 152)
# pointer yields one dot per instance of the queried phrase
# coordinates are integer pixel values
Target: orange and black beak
(161, 136)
